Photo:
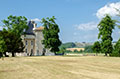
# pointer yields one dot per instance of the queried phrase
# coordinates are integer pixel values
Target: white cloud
(108, 9)
(87, 26)
(36, 19)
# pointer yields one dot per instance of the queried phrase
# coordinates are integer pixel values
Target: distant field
(60, 67)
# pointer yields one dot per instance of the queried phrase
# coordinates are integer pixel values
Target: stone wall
(38, 42)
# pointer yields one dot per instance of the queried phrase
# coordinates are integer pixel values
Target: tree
(76, 51)
(88, 49)
(16, 45)
(116, 51)
(2, 43)
(2, 46)
(13, 42)
(81, 51)
(16, 24)
(106, 27)
(96, 47)
(50, 34)
(62, 49)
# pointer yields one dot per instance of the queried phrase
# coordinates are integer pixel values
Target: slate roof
(29, 31)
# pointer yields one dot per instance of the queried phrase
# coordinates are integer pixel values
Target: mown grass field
(60, 67)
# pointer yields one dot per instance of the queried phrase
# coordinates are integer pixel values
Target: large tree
(16, 24)
(106, 27)
(50, 34)
(96, 47)
(13, 43)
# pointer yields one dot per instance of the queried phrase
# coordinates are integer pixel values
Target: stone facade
(33, 40)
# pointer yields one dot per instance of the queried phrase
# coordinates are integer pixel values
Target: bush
(116, 51)
(115, 54)
(88, 49)
(76, 51)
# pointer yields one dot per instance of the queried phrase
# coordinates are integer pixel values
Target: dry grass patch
(60, 67)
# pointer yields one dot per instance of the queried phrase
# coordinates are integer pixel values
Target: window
(26, 42)
(26, 50)
(37, 52)
(31, 42)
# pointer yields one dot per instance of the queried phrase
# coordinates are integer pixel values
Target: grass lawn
(60, 67)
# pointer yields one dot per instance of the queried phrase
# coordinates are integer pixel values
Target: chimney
(34, 25)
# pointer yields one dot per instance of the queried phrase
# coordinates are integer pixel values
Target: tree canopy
(96, 47)
(11, 42)
(51, 34)
(16, 24)
(106, 27)
(14, 27)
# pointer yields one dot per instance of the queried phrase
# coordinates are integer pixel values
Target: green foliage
(13, 43)
(116, 51)
(106, 27)
(114, 54)
(50, 34)
(88, 49)
(81, 51)
(75, 50)
(2, 46)
(16, 24)
(68, 51)
(68, 45)
(96, 47)
(62, 50)
(14, 28)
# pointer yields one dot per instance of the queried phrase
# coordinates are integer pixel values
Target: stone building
(33, 40)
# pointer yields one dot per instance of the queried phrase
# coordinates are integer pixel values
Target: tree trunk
(105, 54)
(1, 54)
(5, 54)
(13, 54)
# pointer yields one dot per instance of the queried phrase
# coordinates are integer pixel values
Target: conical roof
(30, 28)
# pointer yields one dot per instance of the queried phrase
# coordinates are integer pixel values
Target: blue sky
(77, 19)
